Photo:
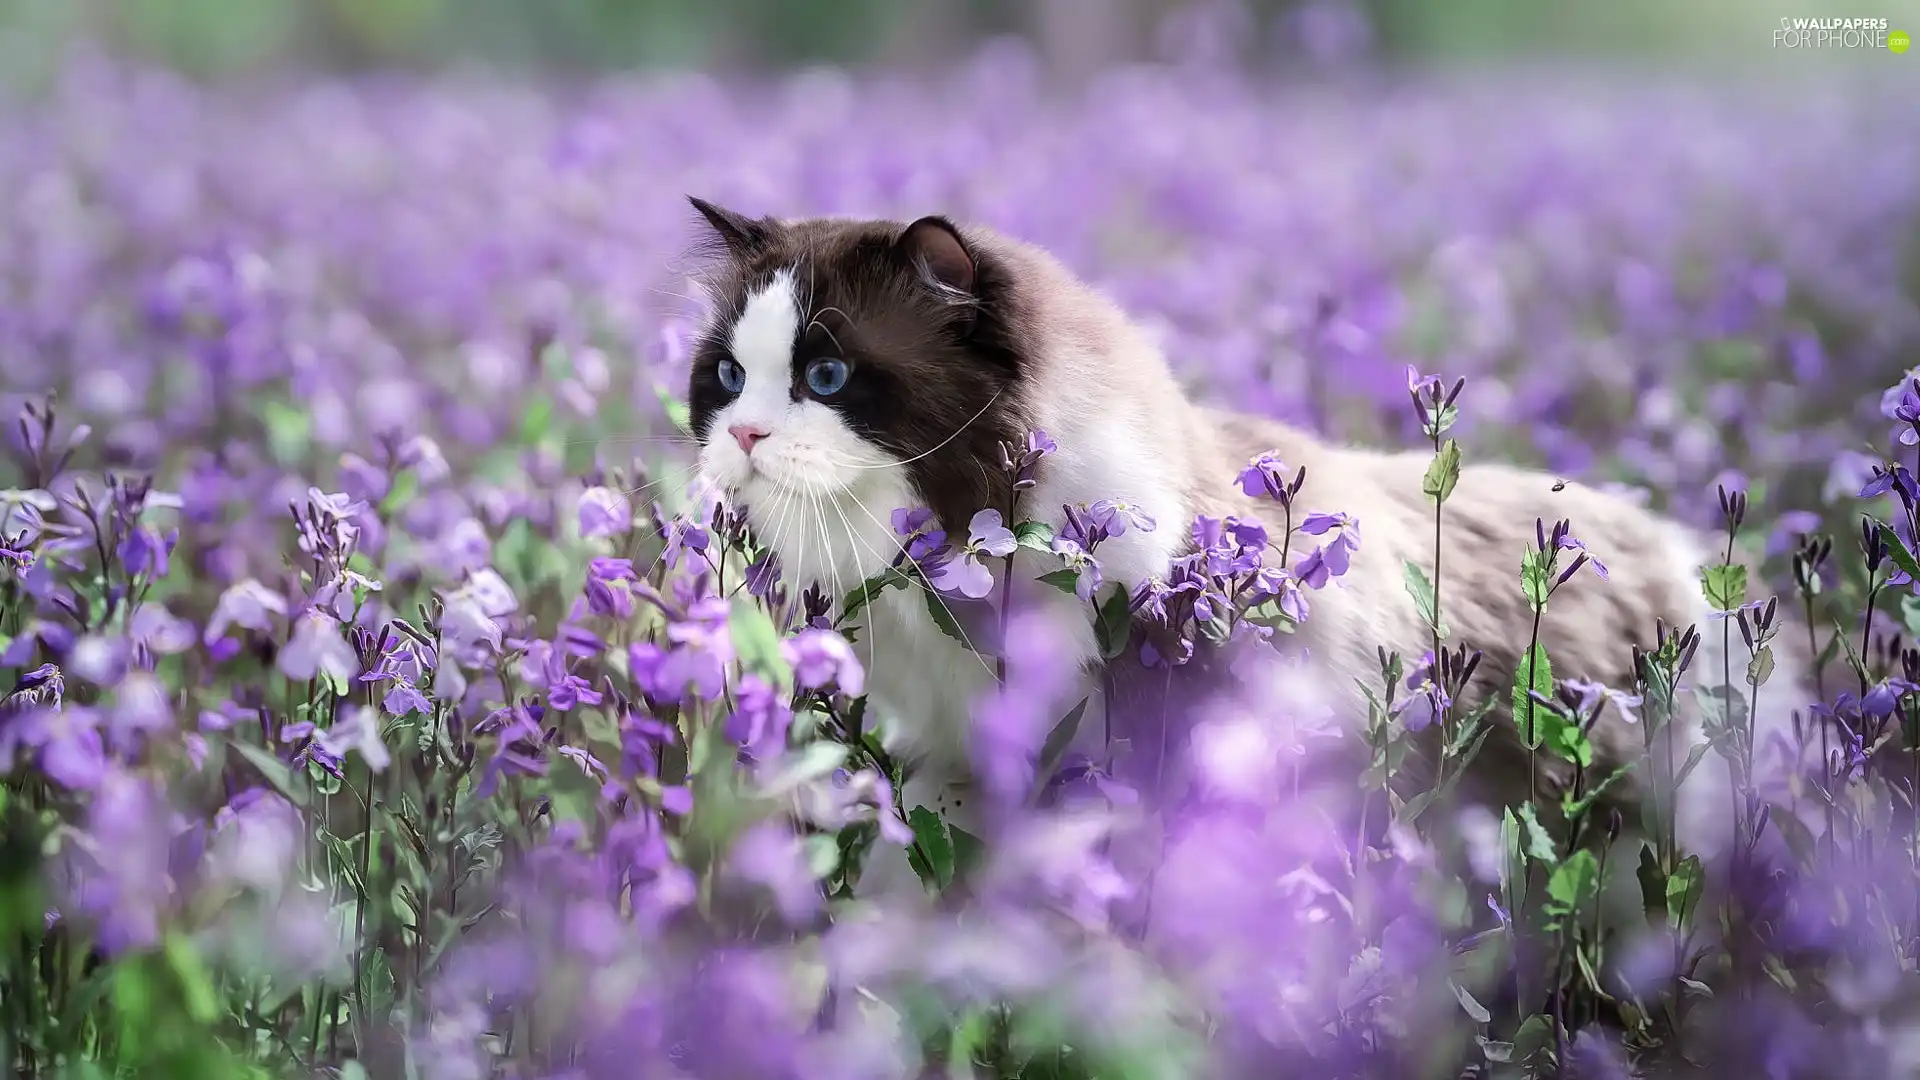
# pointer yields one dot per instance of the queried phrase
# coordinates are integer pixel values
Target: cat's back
(1490, 519)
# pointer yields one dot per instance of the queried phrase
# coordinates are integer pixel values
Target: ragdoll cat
(853, 367)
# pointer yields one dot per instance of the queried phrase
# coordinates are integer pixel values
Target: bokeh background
(1074, 36)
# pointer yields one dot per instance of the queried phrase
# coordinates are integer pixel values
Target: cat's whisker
(788, 504)
(931, 591)
(936, 448)
(678, 518)
(835, 338)
(675, 438)
(853, 540)
(677, 474)
(826, 540)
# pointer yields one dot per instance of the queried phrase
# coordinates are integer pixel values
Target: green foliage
(1113, 627)
(1424, 599)
(932, 854)
(1441, 476)
(1535, 583)
(1725, 585)
(1534, 673)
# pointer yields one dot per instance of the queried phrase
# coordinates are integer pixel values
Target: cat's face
(852, 362)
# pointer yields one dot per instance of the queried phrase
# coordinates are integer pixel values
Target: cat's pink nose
(746, 435)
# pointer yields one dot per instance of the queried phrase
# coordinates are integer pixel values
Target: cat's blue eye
(827, 375)
(732, 375)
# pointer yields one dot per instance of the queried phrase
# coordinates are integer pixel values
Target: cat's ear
(741, 235)
(932, 247)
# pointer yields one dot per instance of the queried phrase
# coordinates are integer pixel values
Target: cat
(852, 367)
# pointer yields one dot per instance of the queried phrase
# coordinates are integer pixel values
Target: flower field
(380, 703)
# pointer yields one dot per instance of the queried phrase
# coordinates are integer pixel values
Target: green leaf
(932, 854)
(376, 987)
(1694, 757)
(969, 1034)
(1475, 1011)
(967, 850)
(406, 483)
(1760, 667)
(677, 412)
(1909, 614)
(195, 984)
(1443, 473)
(1798, 838)
(1653, 884)
(1425, 601)
(274, 771)
(1064, 579)
(1113, 628)
(136, 995)
(1897, 549)
(1034, 535)
(823, 854)
(1684, 888)
(1535, 672)
(865, 593)
(1060, 738)
(1574, 882)
(1559, 734)
(289, 431)
(758, 642)
(1534, 583)
(1538, 843)
(1533, 1038)
(943, 618)
(1725, 585)
(1572, 808)
(536, 420)
(1513, 877)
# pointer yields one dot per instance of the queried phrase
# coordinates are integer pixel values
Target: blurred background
(1076, 37)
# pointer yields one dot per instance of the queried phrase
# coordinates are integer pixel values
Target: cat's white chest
(924, 684)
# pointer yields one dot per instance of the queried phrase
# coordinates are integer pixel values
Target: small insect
(1559, 484)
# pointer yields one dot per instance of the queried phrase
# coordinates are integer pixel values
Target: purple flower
(696, 661)
(1333, 558)
(145, 553)
(65, 741)
(589, 766)
(1568, 543)
(760, 718)
(763, 575)
(684, 536)
(770, 856)
(607, 589)
(1592, 693)
(357, 730)
(1417, 382)
(967, 574)
(604, 512)
(154, 628)
(822, 658)
(403, 698)
(1087, 576)
(1879, 702)
(1114, 515)
(1265, 478)
(318, 647)
(421, 454)
(249, 604)
(677, 799)
(911, 522)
